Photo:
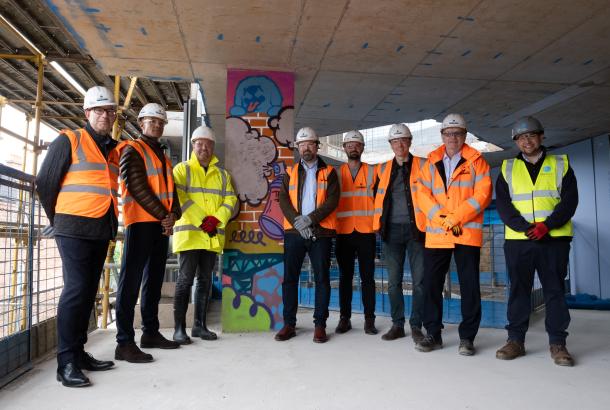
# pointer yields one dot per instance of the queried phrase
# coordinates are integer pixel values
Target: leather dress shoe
(285, 333)
(88, 362)
(71, 376)
(157, 341)
(319, 335)
(131, 353)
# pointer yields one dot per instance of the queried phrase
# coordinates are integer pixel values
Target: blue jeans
(399, 243)
(295, 248)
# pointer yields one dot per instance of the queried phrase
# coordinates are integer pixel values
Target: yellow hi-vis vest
(202, 193)
(536, 202)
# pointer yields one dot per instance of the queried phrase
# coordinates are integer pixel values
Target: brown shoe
(394, 333)
(561, 356)
(319, 335)
(416, 334)
(511, 350)
(344, 325)
(131, 353)
(369, 326)
(285, 333)
(157, 341)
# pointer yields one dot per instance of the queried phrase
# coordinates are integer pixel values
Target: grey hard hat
(525, 125)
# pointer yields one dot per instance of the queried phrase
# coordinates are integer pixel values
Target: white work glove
(302, 222)
(306, 233)
(48, 232)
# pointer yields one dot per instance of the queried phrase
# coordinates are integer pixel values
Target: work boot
(369, 326)
(131, 353)
(466, 347)
(157, 341)
(394, 333)
(429, 343)
(511, 350)
(181, 302)
(285, 333)
(202, 298)
(344, 325)
(416, 334)
(319, 335)
(561, 356)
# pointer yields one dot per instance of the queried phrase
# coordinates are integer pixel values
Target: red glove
(537, 231)
(209, 224)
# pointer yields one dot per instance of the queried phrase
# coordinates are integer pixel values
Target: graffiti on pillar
(259, 129)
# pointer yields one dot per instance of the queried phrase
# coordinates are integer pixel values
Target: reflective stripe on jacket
(91, 184)
(330, 222)
(202, 193)
(384, 172)
(466, 196)
(536, 202)
(132, 211)
(356, 200)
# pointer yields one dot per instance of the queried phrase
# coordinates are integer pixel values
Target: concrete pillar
(259, 128)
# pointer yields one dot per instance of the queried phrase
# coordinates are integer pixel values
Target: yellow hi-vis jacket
(202, 194)
(536, 202)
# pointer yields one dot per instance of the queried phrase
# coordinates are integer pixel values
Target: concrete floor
(354, 370)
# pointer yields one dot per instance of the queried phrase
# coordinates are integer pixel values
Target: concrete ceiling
(362, 63)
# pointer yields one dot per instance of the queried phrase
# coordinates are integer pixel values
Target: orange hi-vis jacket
(330, 222)
(356, 201)
(383, 173)
(161, 185)
(466, 196)
(91, 183)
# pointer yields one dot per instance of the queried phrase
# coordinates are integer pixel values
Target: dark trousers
(436, 265)
(550, 260)
(82, 264)
(399, 243)
(295, 248)
(144, 257)
(362, 246)
(196, 262)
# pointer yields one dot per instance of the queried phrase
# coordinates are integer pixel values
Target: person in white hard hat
(453, 190)
(355, 234)
(536, 198)
(308, 198)
(400, 223)
(208, 199)
(150, 209)
(77, 185)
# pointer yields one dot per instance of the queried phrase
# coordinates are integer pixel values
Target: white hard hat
(399, 131)
(353, 136)
(525, 125)
(98, 97)
(153, 110)
(203, 132)
(454, 120)
(306, 134)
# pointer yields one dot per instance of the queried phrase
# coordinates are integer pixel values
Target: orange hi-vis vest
(356, 202)
(384, 172)
(91, 184)
(132, 211)
(468, 193)
(330, 222)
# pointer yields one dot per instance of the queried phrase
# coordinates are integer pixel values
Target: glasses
(528, 136)
(100, 111)
(455, 134)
